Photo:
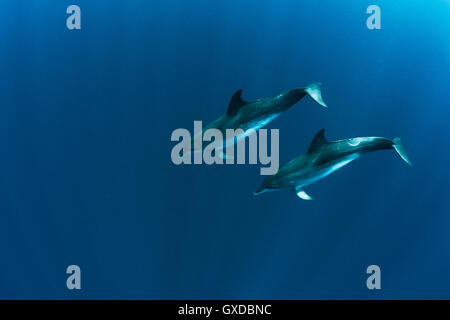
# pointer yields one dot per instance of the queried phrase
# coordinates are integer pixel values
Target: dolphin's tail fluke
(314, 92)
(398, 146)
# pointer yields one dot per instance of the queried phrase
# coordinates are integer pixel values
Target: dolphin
(251, 116)
(323, 158)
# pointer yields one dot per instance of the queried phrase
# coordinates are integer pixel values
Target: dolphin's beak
(259, 191)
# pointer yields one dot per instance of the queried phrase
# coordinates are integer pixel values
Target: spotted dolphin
(323, 158)
(251, 116)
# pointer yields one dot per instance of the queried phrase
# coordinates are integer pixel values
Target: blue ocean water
(86, 176)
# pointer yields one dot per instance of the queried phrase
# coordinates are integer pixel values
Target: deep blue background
(85, 170)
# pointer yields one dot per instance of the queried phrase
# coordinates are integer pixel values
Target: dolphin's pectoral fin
(302, 194)
(224, 155)
(236, 103)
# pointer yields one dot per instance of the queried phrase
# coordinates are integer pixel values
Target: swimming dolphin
(250, 116)
(323, 158)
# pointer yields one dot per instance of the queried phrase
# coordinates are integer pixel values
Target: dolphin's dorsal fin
(236, 103)
(318, 141)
